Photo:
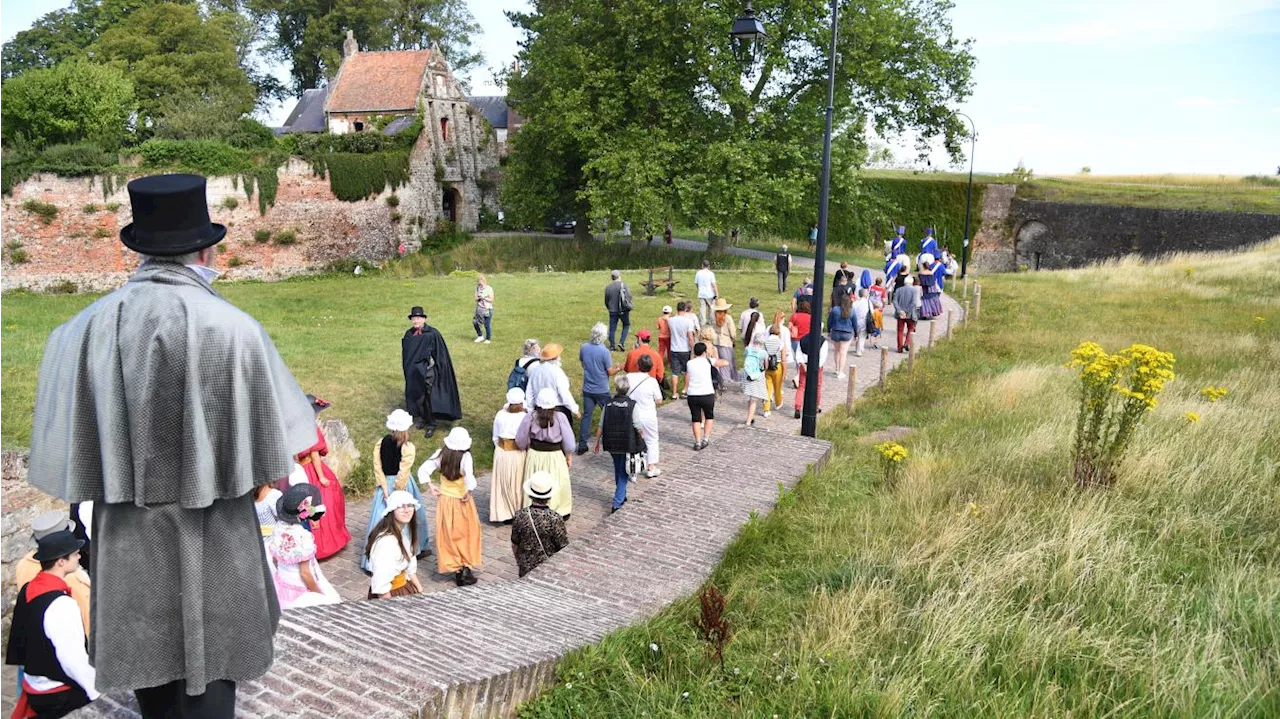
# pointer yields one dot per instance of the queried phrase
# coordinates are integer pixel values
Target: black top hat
(287, 505)
(56, 546)
(170, 216)
(417, 312)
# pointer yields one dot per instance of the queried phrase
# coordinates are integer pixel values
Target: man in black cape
(430, 386)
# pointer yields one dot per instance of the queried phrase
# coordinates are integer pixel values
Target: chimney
(517, 68)
(349, 46)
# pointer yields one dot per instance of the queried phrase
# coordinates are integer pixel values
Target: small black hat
(287, 507)
(170, 216)
(56, 546)
(417, 312)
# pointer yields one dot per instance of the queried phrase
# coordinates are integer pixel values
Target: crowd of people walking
(187, 584)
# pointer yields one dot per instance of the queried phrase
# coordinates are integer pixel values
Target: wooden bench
(651, 287)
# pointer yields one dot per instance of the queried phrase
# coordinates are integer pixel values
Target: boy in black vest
(619, 430)
(47, 636)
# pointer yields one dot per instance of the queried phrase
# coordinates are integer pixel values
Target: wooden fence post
(966, 288)
(977, 300)
(853, 387)
(911, 351)
(950, 319)
(966, 312)
(884, 364)
(933, 325)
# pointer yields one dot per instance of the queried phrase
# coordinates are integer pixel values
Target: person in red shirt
(799, 326)
(664, 334)
(642, 349)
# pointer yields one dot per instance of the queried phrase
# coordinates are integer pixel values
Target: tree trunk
(582, 230)
(716, 244)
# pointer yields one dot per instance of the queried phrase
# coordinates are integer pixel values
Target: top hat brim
(174, 243)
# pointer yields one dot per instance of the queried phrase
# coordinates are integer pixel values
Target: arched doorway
(1030, 244)
(451, 204)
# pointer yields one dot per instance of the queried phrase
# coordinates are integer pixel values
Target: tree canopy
(308, 34)
(642, 109)
(71, 102)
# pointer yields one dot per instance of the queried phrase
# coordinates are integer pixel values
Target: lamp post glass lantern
(747, 33)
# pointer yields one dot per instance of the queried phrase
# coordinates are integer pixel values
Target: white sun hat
(399, 421)
(458, 439)
(547, 398)
(398, 499)
(540, 485)
(515, 395)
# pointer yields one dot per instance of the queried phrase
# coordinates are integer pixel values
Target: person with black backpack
(518, 378)
(620, 433)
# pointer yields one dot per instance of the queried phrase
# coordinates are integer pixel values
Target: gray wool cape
(167, 406)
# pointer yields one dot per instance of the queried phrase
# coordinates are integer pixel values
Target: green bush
(89, 209)
(355, 176)
(113, 206)
(65, 287)
(15, 253)
(488, 221)
(230, 203)
(44, 210)
(395, 216)
(250, 134)
(101, 232)
(286, 237)
(393, 200)
(261, 236)
(77, 160)
(74, 101)
(234, 261)
(207, 157)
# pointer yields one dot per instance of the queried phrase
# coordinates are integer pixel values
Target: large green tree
(643, 109)
(174, 51)
(65, 33)
(71, 102)
(308, 34)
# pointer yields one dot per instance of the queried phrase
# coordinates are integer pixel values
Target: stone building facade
(455, 161)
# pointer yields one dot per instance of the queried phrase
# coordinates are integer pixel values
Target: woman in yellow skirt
(506, 493)
(548, 437)
(457, 522)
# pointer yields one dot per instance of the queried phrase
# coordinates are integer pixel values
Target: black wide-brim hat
(287, 505)
(57, 546)
(170, 216)
(417, 312)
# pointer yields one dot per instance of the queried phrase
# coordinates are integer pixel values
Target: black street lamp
(968, 199)
(746, 29)
(747, 32)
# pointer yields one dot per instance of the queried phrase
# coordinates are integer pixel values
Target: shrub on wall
(354, 176)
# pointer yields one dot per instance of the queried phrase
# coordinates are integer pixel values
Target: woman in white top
(389, 551)
(701, 393)
(457, 522)
(647, 393)
(506, 491)
(861, 317)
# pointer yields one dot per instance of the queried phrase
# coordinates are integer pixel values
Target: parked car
(562, 226)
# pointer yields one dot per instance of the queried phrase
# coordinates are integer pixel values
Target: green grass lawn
(1179, 192)
(983, 583)
(340, 334)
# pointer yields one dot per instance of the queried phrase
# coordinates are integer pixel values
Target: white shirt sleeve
(86, 518)
(468, 472)
(65, 629)
(384, 562)
(428, 468)
(566, 395)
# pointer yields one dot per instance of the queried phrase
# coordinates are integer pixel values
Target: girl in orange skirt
(457, 522)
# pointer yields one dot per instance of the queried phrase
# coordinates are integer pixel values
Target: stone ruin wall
(83, 248)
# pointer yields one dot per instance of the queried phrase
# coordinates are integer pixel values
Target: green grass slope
(983, 583)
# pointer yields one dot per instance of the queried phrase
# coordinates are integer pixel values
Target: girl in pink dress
(299, 580)
(331, 535)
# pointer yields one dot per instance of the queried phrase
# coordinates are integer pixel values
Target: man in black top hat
(167, 406)
(430, 386)
(47, 635)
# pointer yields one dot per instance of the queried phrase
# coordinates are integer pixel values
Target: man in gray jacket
(167, 406)
(617, 300)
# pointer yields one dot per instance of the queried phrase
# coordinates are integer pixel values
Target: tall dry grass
(984, 583)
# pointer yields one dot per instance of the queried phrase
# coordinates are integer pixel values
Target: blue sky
(1121, 86)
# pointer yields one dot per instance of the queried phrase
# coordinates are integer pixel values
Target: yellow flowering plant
(1116, 392)
(1191, 417)
(1213, 394)
(892, 455)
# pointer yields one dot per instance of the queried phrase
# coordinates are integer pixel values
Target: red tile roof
(379, 81)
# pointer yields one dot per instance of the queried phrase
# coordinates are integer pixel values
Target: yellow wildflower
(1191, 417)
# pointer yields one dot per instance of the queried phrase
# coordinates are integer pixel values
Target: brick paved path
(481, 650)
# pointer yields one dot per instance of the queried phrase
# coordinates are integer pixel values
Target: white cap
(515, 395)
(458, 439)
(399, 421)
(399, 498)
(666, 309)
(547, 398)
